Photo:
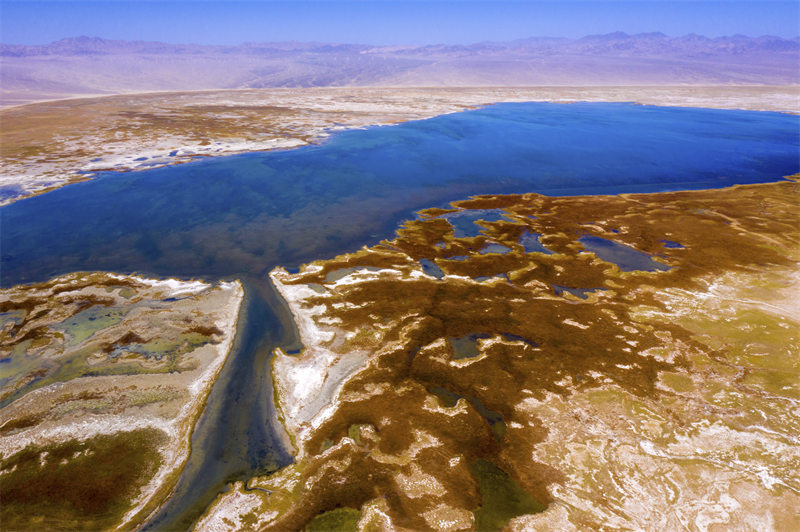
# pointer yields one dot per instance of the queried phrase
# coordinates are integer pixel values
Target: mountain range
(91, 65)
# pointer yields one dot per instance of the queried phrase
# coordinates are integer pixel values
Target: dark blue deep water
(227, 216)
(240, 216)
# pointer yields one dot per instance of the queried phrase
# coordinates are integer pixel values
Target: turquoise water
(222, 217)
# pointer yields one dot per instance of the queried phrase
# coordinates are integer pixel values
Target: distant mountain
(91, 65)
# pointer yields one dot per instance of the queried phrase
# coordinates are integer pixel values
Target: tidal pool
(431, 268)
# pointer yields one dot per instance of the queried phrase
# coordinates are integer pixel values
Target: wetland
(441, 343)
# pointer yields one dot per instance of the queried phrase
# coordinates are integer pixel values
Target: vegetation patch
(502, 499)
(338, 520)
(77, 485)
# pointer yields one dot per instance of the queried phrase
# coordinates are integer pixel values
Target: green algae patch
(19, 423)
(77, 485)
(84, 324)
(338, 520)
(127, 292)
(118, 360)
(502, 498)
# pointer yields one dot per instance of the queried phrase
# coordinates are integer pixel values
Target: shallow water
(465, 222)
(495, 248)
(431, 268)
(582, 293)
(530, 241)
(627, 258)
(236, 438)
(466, 346)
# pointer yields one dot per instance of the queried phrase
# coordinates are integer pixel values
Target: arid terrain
(49, 144)
(82, 66)
(103, 378)
(546, 363)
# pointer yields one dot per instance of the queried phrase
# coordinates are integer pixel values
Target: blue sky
(385, 21)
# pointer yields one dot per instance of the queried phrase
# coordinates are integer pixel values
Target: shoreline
(174, 476)
(230, 430)
(296, 426)
(315, 113)
(202, 389)
(278, 354)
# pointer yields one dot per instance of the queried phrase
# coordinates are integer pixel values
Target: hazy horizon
(385, 23)
(530, 37)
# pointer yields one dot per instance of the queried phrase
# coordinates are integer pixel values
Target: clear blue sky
(385, 21)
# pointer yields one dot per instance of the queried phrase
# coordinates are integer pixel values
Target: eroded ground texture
(47, 145)
(546, 363)
(103, 378)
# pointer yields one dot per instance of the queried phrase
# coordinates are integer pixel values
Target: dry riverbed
(103, 379)
(49, 144)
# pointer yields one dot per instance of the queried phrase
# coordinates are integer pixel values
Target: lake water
(239, 216)
(222, 217)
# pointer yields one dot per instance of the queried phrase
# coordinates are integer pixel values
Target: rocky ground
(103, 378)
(49, 144)
(485, 369)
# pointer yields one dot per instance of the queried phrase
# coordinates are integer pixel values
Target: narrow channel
(237, 436)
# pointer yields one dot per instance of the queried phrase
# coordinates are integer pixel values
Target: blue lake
(223, 217)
